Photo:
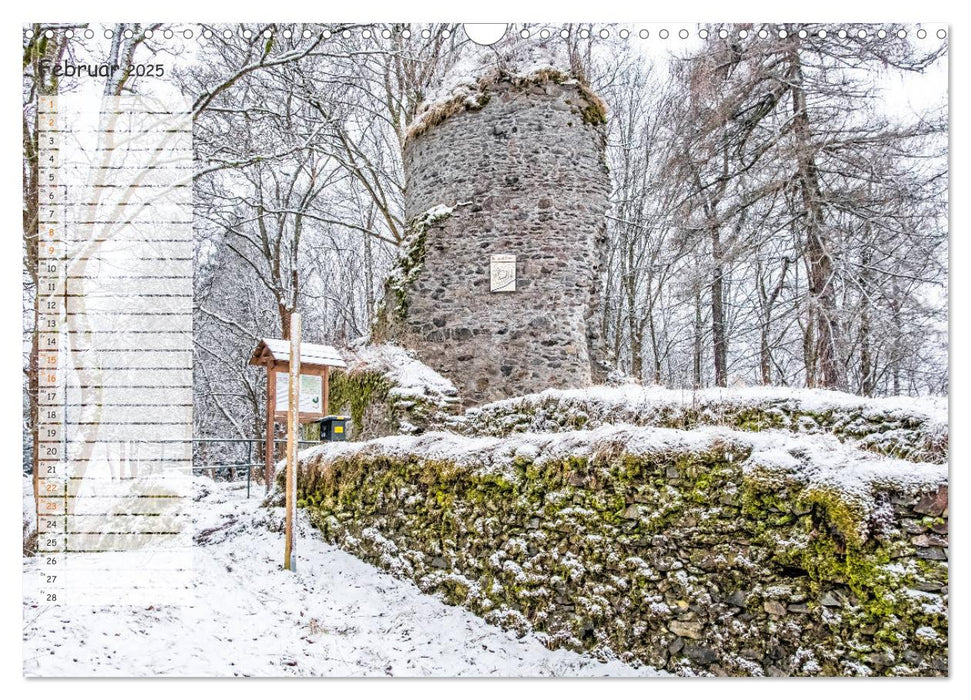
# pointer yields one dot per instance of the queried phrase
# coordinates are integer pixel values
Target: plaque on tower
(503, 273)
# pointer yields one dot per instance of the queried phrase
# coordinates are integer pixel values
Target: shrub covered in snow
(386, 390)
(29, 515)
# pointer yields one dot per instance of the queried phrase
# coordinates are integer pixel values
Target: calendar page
(494, 350)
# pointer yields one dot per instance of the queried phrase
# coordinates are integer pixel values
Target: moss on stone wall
(675, 559)
(393, 309)
(376, 409)
(358, 394)
(882, 431)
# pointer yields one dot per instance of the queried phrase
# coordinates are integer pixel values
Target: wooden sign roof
(273, 350)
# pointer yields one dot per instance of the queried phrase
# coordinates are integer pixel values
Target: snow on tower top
(465, 85)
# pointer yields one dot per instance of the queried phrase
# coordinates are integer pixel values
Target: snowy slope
(337, 616)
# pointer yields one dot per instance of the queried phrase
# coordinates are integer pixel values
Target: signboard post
(293, 422)
(270, 426)
(313, 368)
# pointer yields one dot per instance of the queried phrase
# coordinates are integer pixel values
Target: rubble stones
(685, 582)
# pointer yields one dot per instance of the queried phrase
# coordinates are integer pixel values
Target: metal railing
(233, 467)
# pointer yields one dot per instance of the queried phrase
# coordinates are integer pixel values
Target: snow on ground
(336, 616)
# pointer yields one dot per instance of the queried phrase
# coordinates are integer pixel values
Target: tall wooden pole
(293, 422)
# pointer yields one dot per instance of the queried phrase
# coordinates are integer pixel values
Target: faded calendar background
(115, 404)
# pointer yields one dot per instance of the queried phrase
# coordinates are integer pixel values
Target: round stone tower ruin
(506, 189)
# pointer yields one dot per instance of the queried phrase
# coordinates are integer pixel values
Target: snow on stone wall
(908, 427)
(522, 170)
(701, 551)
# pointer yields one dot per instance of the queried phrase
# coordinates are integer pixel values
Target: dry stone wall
(682, 550)
(915, 429)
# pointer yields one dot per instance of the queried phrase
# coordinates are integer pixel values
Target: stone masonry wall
(918, 433)
(664, 547)
(524, 172)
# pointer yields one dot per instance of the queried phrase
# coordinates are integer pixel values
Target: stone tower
(513, 167)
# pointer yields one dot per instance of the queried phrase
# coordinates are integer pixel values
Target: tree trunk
(634, 324)
(897, 343)
(719, 341)
(809, 346)
(31, 219)
(655, 350)
(45, 84)
(284, 320)
(822, 296)
(768, 303)
(866, 358)
(697, 348)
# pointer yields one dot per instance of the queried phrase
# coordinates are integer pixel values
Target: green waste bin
(333, 428)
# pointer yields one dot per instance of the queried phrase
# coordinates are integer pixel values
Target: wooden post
(325, 400)
(270, 452)
(293, 421)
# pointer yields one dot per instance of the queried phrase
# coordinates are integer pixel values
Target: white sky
(904, 94)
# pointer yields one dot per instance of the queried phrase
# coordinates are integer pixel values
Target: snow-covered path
(337, 616)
